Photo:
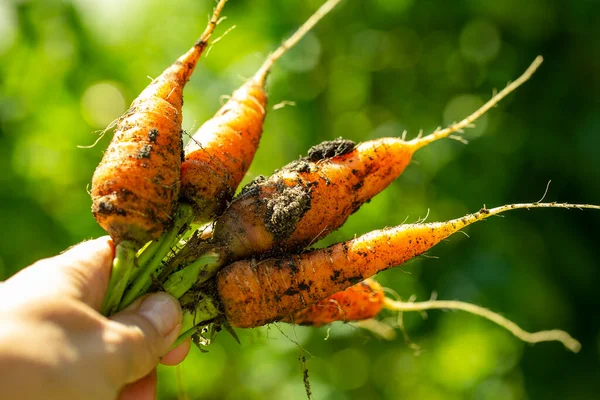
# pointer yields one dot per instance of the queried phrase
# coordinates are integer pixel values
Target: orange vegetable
(358, 302)
(136, 185)
(221, 151)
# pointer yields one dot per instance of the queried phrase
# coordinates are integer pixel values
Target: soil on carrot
(251, 187)
(301, 165)
(286, 209)
(321, 151)
(330, 149)
(145, 151)
(153, 135)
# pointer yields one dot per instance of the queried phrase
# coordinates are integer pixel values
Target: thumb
(140, 335)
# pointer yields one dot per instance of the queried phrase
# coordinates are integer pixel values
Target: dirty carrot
(308, 198)
(136, 185)
(358, 302)
(220, 153)
(253, 293)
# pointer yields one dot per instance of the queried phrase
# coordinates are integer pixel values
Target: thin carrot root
(554, 335)
(378, 328)
(458, 127)
(261, 75)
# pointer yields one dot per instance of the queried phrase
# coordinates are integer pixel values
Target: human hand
(55, 344)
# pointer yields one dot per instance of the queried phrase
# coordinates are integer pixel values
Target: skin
(52, 333)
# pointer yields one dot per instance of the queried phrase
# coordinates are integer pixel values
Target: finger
(140, 335)
(144, 389)
(178, 354)
(81, 272)
(88, 267)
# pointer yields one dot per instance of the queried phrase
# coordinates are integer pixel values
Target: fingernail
(163, 311)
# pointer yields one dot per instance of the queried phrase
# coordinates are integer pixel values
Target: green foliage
(372, 68)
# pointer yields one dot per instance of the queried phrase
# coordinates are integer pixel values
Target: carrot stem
(122, 267)
(153, 263)
(195, 273)
(198, 309)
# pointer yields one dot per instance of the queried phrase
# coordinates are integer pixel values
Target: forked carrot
(136, 185)
(219, 155)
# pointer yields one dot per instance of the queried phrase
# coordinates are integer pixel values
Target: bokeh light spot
(304, 56)
(8, 27)
(480, 41)
(102, 103)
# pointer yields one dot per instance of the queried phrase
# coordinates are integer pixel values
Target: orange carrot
(253, 293)
(358, 302)
(136, 185)
(221, 151)
(313, 196)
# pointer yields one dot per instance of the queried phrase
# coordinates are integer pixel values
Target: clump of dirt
(285, 210)
(253, 186)
(330, 148)
(301, 165)
(153, 135)
(145, 151)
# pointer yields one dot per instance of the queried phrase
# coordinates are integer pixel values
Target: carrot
(253, 293)
(306, 199)
(220, 153)
(365, 300)
(136, 185)
(358, 302)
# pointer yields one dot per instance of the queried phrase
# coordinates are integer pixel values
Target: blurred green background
(372, 68)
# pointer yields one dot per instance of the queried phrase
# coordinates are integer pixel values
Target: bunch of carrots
(248, 264)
